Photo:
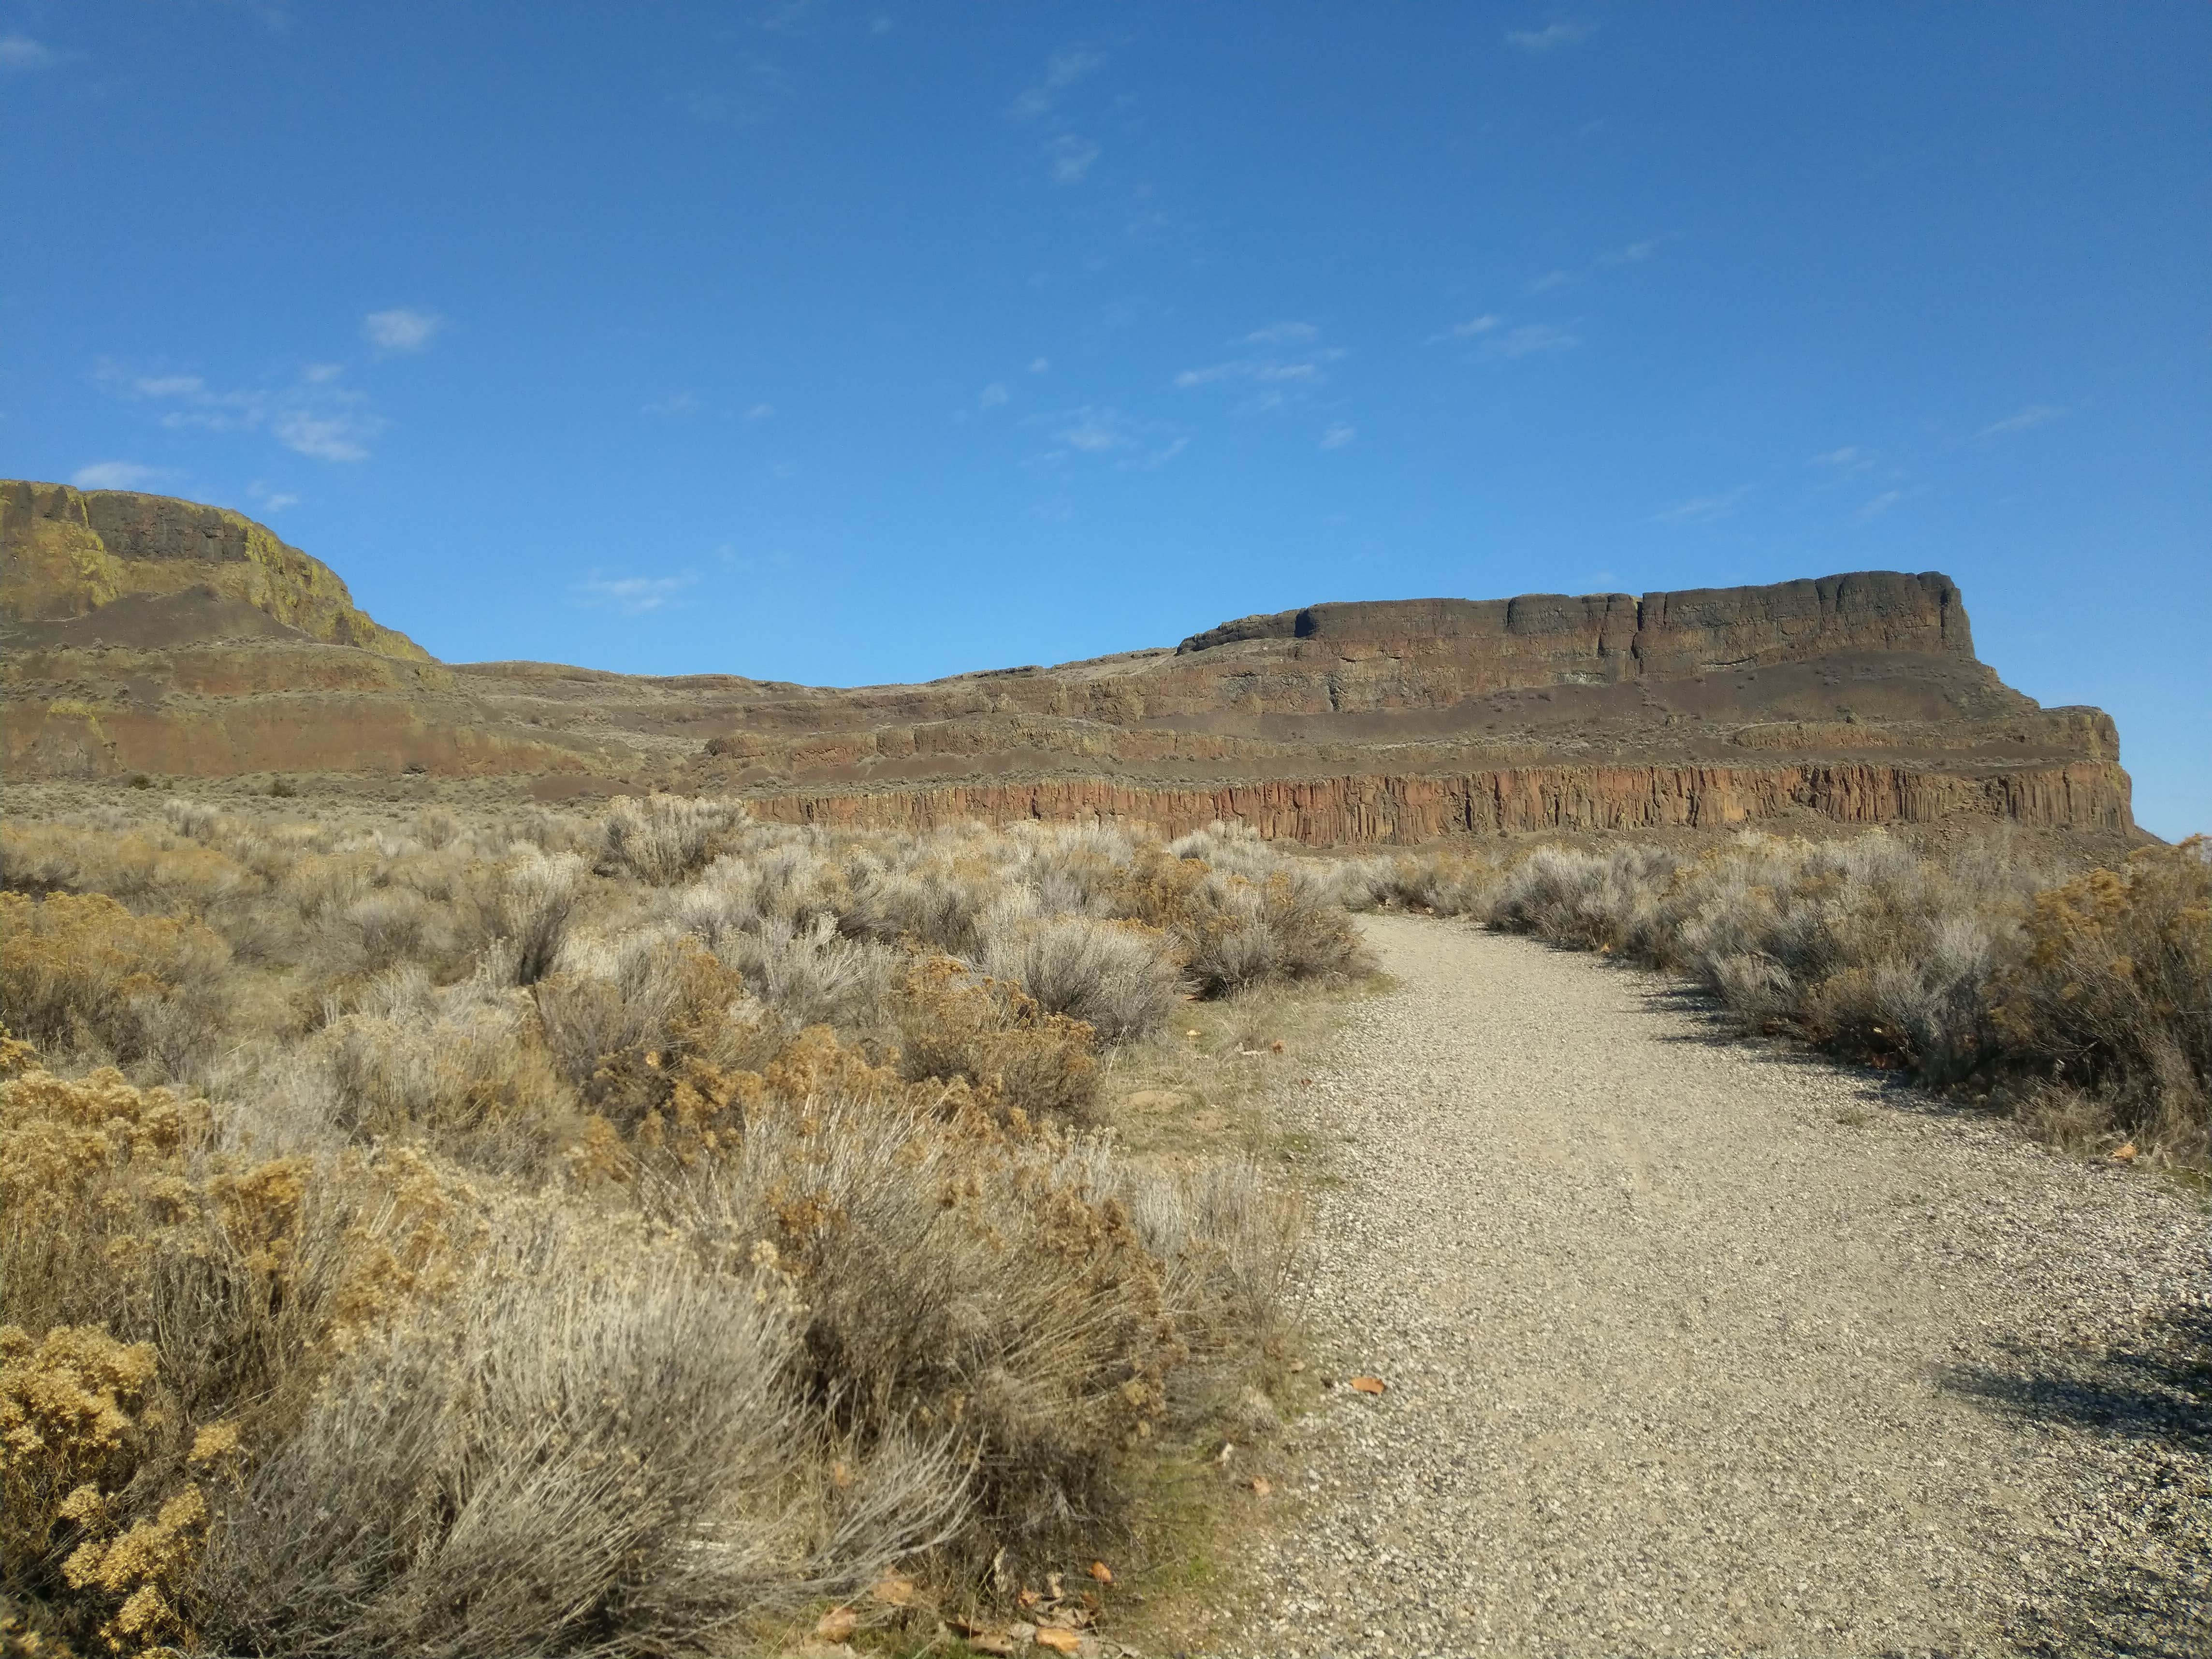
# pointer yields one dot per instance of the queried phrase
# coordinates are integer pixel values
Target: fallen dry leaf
(837, 1623)
(2125, 1154)
(1102, 1572)
(1369, 1384)
(1276, 1046)
(1060, 1641)
(1227, 1448)
(1190, 1034)
(1028, 1598)
(1262, 1486)
(894, 1592)
(991, 1641)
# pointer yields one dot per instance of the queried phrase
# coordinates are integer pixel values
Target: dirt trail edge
(1698, 1346)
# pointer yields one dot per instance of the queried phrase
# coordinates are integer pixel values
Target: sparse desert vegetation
(2081, 999)
(614, 1234)
(538, 1231)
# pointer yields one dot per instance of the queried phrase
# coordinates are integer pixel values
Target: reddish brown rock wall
(1404, 811)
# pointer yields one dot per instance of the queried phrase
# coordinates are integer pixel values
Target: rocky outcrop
(1396, 811)
(146, 635)
(67, 553)
(1615, 636)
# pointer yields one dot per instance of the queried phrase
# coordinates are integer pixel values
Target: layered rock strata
(143, 635)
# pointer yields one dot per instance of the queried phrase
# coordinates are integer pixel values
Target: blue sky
(852, 343)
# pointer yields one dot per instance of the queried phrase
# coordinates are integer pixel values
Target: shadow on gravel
(2150, 1594)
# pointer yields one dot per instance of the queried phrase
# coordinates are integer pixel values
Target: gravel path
(1698, 1346)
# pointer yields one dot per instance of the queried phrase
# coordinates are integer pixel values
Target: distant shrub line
(2085, 1001)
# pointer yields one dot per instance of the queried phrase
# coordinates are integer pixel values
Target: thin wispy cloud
(674, 406)
(337, 437)
(1471, 329)
(1284, 361)
(1880, 504)
(20, 52)
(401, 329)
(119, 475)
(268, 499)
(1063, 71)
(1040, 365)
(1702, 509)
(1099, 432)
(1071, 158)
(992, 395)
(1530, 339)
(1613, 258)
(2033, 416)
(632, 596)
(1339, 434)
(1850, 456)
(314, 414)
(757, 91)
(1283, 334)
(1566, 32)
(760, 411)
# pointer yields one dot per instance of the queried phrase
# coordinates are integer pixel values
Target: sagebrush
(711, 1215)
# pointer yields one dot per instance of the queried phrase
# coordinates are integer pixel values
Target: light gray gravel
(1698, 1346)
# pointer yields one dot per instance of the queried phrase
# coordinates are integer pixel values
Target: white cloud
(1273, 376)
(400, 329)
(1339, 434)
(633, 596)
(1699, 509)
(1469, 329)
(1566, 32)
(1532, 337)
(2033, 415)
(327, 437)
(268, 500)
(1881, 503)
(118, 475)
(1101, 432)
(315, 414)
(1039, 365)
(992, 395)
(675, 405)
(1850, 456)
(1634, 254)
(20, 52)
(1065, 69)
(760, 411)
(1070, 157)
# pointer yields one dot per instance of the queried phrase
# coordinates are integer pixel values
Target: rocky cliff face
(67, 553)
(143, 635)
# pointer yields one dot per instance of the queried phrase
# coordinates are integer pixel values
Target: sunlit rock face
(142, 634)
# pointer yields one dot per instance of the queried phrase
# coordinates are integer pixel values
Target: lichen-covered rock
(67, 553)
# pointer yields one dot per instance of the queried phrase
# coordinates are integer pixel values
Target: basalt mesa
(141, 634)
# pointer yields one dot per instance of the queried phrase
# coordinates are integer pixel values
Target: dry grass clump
(83, 973)
(2090, 1000)
(540, 1234)
(623, 1460)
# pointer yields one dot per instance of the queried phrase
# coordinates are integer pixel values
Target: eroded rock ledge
(139, 633)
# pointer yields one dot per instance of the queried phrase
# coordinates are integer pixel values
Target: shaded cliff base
(401, 802)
